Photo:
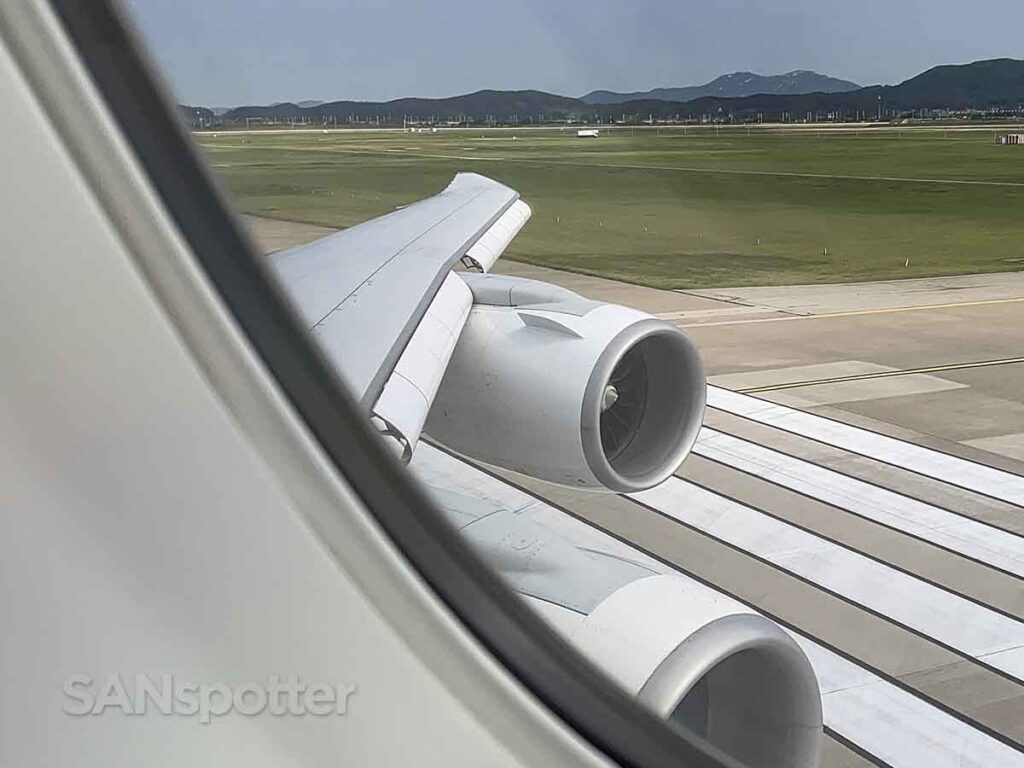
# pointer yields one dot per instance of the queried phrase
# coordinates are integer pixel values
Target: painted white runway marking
(973, 476)
(893, 724)
(958, 623)
(881, 718)
(939, 526)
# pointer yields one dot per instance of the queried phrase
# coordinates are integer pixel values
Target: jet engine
(691, 654)
(710, 665)
(588, 395)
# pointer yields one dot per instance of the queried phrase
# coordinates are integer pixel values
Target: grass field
(671, 208)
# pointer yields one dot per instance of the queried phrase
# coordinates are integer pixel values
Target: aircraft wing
(539, 380)
(383, 302)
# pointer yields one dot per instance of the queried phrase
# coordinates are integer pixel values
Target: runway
(885, 374)
(979, 541)
(970, 475)
(838, 488)
(873, 715)
(859, 480)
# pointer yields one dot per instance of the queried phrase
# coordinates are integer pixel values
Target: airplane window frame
(566, 683)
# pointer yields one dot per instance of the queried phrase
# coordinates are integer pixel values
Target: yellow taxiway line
(849, 313)
(884, 374)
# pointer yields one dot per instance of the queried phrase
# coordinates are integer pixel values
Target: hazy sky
(230, 52)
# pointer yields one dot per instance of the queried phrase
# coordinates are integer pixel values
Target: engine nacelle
(709, 664)
(568, 390)
(692, 655)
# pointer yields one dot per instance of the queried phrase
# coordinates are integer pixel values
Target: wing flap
(485, 251)
(410, 389)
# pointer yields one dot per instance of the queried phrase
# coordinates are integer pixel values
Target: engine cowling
(568, 390)
(709, 664)
(692, 655)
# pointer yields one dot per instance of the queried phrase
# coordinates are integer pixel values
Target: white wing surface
(383, 303)
(364, 291)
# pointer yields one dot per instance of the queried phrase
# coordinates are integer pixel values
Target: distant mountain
(479, 106)
(994, 84)
(304, 104)
(735, 85)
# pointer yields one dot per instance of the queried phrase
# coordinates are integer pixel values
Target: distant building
(1013, 138)
(587, 133)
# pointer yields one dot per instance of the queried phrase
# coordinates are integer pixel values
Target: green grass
(674, 209)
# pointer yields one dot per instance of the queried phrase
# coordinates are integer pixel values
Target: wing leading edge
(383, 302)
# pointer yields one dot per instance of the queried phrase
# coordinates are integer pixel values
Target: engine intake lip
(755, 690)
(672, 412)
